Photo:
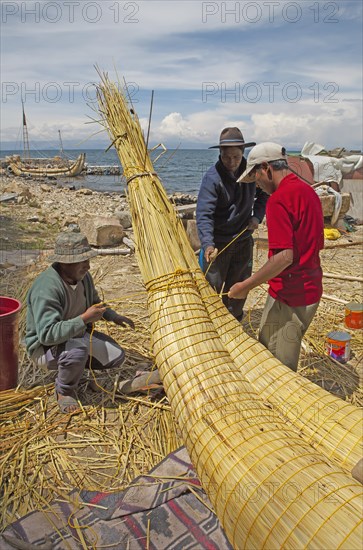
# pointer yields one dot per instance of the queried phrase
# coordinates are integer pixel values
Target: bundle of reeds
(269, 486)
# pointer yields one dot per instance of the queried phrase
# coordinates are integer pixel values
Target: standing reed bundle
(270, 488)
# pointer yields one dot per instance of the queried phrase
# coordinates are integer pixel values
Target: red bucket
(9, 342)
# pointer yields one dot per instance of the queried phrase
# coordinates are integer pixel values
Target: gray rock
(128, 242)
(5, 197)
(84, 191)
(102, 230)
(193, 234)
(124, 218)
(45, 188)
(186, 211)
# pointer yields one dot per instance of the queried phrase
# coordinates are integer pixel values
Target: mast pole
(61, 142)
(62, 152)
(25, 136)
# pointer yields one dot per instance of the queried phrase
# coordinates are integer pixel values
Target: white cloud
(201, 128)
(174, 47)
(293, 130)
(175, 125)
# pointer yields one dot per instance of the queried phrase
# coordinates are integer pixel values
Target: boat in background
(57, 166)
(47, 167)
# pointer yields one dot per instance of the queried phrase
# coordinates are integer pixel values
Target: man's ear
(248, 179)
(267, 167)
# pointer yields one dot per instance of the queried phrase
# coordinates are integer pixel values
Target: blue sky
(285, 71)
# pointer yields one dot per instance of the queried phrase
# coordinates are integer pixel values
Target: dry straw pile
(276, 472)
(46, 455)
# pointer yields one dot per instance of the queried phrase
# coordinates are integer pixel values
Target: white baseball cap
(263, 152)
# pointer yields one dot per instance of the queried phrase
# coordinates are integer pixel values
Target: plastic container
(338, 345)
(354, 315)
(9, 342)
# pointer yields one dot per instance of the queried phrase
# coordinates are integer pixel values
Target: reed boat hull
(20, 169)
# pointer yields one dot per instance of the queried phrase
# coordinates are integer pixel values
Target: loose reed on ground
(45, 455)
(227, 427)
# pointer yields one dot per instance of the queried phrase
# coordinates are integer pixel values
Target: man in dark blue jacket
(227, 214)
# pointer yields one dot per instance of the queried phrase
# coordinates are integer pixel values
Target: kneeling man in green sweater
(62, 305)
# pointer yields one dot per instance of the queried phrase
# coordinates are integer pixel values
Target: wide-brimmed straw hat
(232, 137)
(71, 248)
(263, 152)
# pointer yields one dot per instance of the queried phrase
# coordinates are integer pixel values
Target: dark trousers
(230, 267)
(72, 357)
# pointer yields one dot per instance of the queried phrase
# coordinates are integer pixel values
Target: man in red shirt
(295, 235)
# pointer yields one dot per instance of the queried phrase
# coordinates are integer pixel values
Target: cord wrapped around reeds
(270, 487)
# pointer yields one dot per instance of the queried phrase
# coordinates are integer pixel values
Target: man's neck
(279, 176)
(66, 278)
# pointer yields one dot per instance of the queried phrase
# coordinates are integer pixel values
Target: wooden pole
(334, 299)
(343, 277)
(342, 245)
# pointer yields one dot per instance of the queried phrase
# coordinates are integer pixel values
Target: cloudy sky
(286, 71)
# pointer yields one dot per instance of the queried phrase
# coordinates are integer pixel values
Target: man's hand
(93, 313)
(123, 321)
(210, 253)
(274, 266)
(253, 224)
(238, 291)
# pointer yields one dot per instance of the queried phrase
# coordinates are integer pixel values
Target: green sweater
(47, 301)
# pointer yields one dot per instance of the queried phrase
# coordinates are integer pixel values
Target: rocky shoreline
(32, 212)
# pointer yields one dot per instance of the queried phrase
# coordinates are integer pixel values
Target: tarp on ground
(166, 509)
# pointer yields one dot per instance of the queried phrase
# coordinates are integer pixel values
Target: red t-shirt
(295, 220)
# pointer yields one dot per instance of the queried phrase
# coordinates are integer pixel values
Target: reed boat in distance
(44, 167)
(47, 167)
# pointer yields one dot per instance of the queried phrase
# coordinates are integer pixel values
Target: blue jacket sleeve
(206, 207)
(259, 207)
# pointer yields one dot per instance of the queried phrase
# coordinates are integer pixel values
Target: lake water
(180, 170)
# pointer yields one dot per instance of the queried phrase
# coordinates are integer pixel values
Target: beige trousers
(282, 328)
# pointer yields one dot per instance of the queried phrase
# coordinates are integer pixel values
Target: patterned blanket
(164, 510)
